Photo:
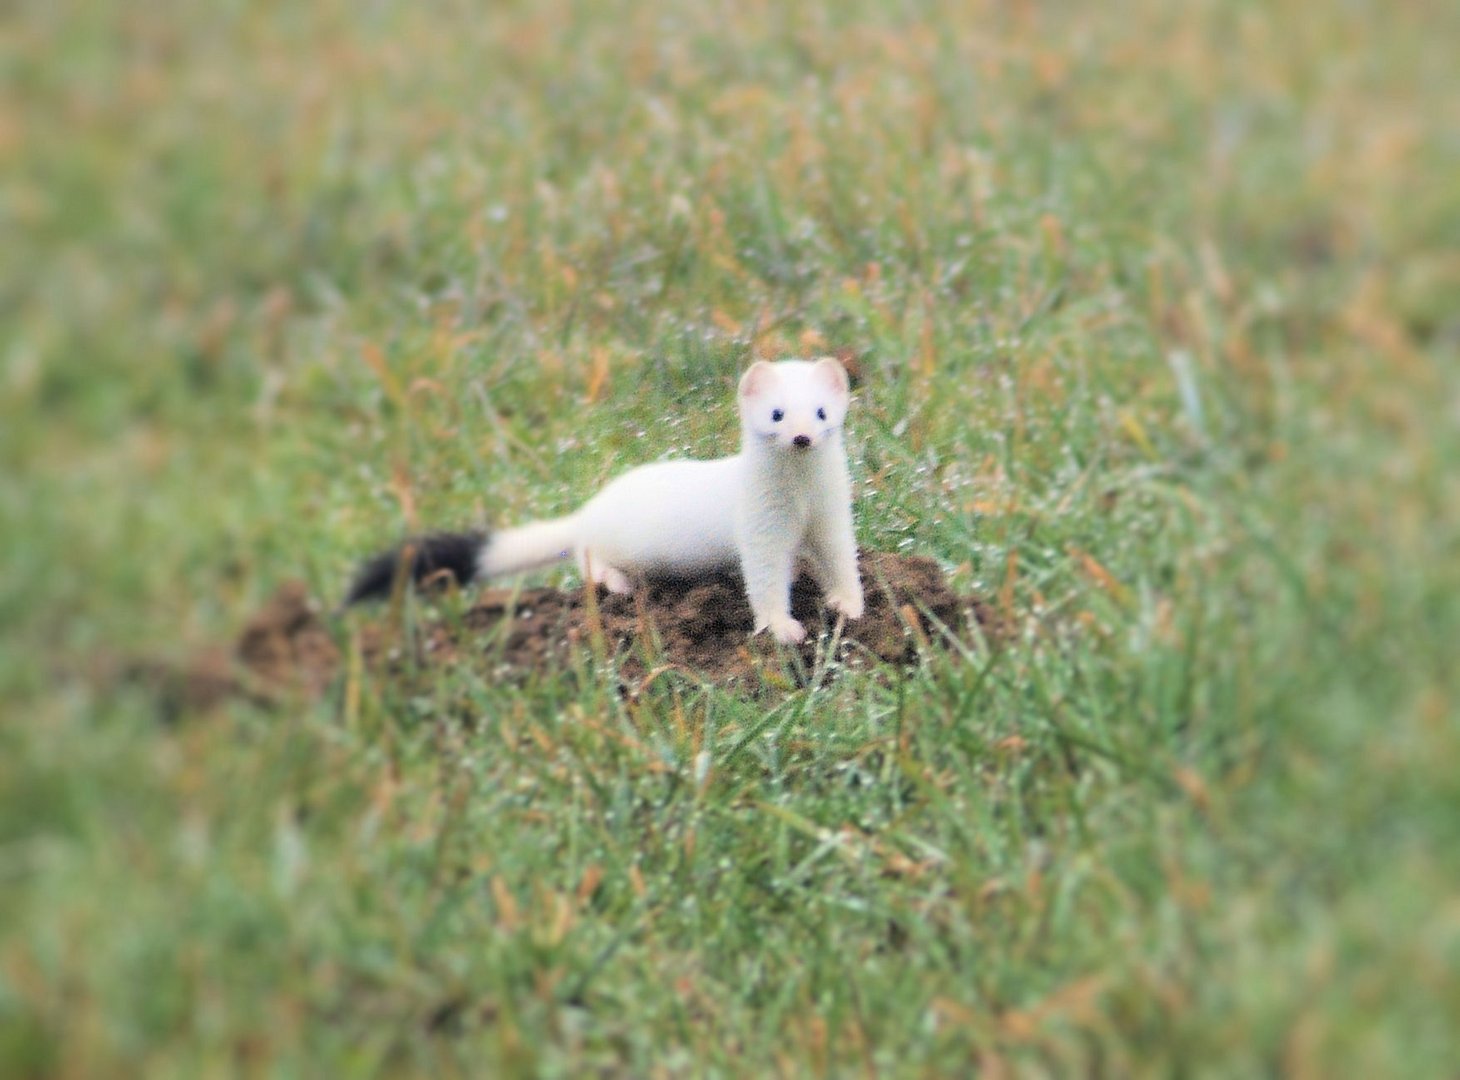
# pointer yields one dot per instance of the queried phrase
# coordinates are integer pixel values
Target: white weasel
(783, 502)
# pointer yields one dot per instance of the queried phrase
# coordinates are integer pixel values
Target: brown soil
(700, 627)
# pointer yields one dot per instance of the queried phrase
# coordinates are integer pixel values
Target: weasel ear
(757, 379)
(832, 374)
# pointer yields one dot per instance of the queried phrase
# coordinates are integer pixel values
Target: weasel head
(794, 405)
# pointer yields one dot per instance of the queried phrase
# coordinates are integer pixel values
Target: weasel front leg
(766, 561)
(832, 547)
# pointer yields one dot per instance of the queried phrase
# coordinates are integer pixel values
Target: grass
(1157, 308)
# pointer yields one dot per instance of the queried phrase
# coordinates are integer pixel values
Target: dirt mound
(285, 650)
(701, 627)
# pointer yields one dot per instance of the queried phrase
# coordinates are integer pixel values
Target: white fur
(774, 507)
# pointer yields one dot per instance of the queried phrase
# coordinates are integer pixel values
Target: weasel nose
(803, 441)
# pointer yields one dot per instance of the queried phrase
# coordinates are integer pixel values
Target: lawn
(1158, 312)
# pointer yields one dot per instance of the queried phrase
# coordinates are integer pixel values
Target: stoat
(782, 503)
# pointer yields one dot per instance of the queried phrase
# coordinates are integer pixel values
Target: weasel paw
(786, 630)
(847, 602)
(616, 581)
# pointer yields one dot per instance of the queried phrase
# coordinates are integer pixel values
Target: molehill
(701, 627)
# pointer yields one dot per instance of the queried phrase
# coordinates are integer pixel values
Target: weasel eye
(776, 416)
(821, 414)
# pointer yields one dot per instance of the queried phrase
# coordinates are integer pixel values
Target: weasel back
(667, 519)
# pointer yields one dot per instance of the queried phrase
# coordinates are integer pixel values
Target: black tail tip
(420, 559)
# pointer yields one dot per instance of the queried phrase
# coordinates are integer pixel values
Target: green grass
(1158, 311)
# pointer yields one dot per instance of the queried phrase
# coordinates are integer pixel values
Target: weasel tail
(465, 557)
(528, 547)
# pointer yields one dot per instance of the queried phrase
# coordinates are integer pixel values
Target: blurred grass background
(1157, 306)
